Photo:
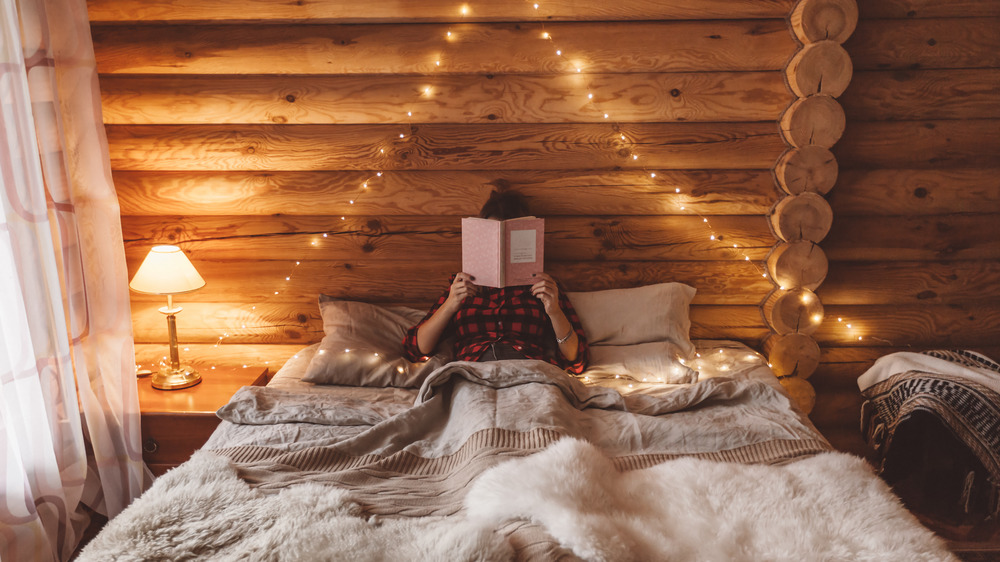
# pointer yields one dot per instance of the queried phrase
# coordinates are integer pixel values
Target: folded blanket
(960, 388)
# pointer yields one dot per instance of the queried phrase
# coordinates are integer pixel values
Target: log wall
(243, 131)
(914, 248)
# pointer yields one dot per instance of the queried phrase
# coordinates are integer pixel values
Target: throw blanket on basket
(960, 388)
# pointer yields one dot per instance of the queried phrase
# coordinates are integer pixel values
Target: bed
(664, 449)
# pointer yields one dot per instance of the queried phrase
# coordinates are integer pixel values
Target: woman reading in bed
(518, 322)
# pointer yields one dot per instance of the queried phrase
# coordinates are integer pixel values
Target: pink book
(503, 253)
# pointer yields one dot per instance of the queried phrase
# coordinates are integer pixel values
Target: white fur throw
(827, 507)
(202, 510)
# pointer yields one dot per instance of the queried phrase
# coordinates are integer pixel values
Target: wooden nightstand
(176, 422)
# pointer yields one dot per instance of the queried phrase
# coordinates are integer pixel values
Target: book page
(522, 246)
(525, 241)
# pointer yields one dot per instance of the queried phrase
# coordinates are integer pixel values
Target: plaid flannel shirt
(511, 315)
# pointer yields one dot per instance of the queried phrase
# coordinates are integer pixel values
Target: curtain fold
(69, 410)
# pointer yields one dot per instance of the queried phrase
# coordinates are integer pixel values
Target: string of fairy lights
(592, 101)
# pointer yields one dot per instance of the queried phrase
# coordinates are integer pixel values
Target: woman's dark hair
(504, 205)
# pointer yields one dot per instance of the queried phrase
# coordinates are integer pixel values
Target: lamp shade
(166, 271)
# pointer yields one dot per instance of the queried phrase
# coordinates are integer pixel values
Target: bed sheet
(713, 359)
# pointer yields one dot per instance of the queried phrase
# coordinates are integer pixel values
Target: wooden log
(806, 216)
(835, 408)
(299, 323)
(841, 363)
(920, 144)
(479, 98)
(792, 355)
(327, 11)
(921, 326)
(898, 9)
(806, 169)
(799, 264)
(911, 283)
(820, 20)
(373, 280)
(802, 393)
(816, 120)
(823, 67)
(795, 311)
(894, 238)
(661, 46)
(959, 42)
(290, 238)
(921, 94)
(445, 192)
(916, 193)
(443, 147)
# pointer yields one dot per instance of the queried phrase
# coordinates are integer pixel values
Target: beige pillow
(363, 346)
(653, 313)
(645, 362)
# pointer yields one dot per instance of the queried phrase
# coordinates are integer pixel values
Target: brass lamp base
(175, 379)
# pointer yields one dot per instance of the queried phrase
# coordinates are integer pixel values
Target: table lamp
(167, 271)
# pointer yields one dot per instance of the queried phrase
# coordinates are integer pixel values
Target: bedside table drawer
(168, 439)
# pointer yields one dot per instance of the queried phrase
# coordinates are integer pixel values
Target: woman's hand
(461, 288)
(546, 290)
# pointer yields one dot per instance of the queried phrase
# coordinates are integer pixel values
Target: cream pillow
(652, 313)
(644, 362)
(363, 346)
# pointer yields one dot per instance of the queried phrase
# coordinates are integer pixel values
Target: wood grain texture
(898, 9)
(797, 264)
(445, 192)
(270, 356)
(638, 238)
(816, 120)
(478, 98)
(928, 144)
(959, 42)
(927, 326)
(916, 192)
(806, 216)
(911, 283)
(443, 147)
(820, 20)
(797, 311)
(300, 323)
(807, 169)
(318, 11)
(792, 355)
(913, 238)
(717, 282)
(600, 47)
(819, 68)
(915, 95)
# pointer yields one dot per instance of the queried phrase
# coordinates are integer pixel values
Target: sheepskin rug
(827, 507)
(202, 510)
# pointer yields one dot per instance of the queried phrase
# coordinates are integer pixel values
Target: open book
(503, 253)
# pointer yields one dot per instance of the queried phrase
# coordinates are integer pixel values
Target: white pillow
(363, 346)
(653, 313)
(645, 362)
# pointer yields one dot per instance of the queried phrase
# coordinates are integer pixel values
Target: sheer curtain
(69, 412)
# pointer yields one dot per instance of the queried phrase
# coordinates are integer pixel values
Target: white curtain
(69, 412)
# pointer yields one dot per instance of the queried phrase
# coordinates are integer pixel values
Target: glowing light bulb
(848, 325)
(427, 90)
(590, 96)
(402, 136)
(559, 52)
(605, 115)
(652, 174)
(347, 351)
(536, 6)
(409, 114)
(464, 9)
(449, 34)
(712, 237)
(578, 69)
(545, 35)
(635, 157)
(747, 258)
(437, 63)
(286, 279)
(678, 190)
(379, 174)
(351, 201)
(817, 318)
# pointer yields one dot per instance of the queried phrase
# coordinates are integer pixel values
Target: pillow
(652, 313)
(644, 362)
(363, 346)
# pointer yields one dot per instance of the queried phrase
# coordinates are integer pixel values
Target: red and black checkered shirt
(511, 315)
